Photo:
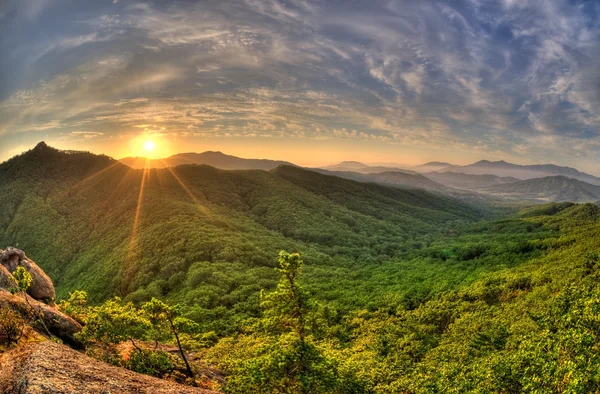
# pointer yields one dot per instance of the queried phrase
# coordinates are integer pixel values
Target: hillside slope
(198, 235)
(468, 181)
(553, 188)
(504, 169)
(391, 178)
(432, 166)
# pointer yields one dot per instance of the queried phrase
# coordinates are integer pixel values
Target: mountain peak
(41, 145)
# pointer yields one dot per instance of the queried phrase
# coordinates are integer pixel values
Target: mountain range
(391, 178)
(497, 179)
(96, 224)
(557, 188)
(214, 159)
(384, 266)
(468, 181)
(504, 169)
(355, 166)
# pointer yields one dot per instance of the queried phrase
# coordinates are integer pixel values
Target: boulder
(10, 258)
(41, 287)
(6, 279)
(59, 324)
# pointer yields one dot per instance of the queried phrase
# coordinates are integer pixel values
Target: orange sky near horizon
(304, 152)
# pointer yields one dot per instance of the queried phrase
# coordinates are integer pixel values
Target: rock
(48, 367)
(6, 279)
(41, 287)
(57, 322)
(10, 258)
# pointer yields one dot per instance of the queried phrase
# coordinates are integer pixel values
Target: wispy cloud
(513, 79)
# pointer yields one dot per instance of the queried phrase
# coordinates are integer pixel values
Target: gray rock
(41, 288)
(6, 279)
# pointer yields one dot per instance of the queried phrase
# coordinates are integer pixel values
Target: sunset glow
(313, 82)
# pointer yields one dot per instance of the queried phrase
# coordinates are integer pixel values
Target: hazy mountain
(214, 159)
(504, 169)
(391, 178)
(431, 166)
(200, 236)
(553, 188)
(468, 181)
(355, 166)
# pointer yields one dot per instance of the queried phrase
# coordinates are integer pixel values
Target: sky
(309, 81)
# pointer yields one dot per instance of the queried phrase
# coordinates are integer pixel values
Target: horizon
(303, 81)
(374, 164)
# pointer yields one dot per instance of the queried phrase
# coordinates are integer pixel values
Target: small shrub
(151, 363)
(12, 326)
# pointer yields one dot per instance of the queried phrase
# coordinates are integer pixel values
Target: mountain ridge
(557, 188)
(215, 159)
(523, 172)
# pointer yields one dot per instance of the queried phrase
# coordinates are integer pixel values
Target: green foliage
(402, 291)
(114, 322)
(154, 363)
(75, 306)
(284, 357)
(23, 278)
(209, 246)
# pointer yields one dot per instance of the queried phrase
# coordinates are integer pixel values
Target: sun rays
(133, 239)
(198, 204)
(118, 180)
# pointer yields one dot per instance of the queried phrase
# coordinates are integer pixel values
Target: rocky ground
(37, 365)
(47, 367)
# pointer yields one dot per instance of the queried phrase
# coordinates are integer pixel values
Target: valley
(380, 249)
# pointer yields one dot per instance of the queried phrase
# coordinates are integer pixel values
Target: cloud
(494, 77)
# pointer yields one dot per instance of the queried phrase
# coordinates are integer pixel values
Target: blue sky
(313, 81)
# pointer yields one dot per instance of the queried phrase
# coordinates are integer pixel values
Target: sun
(149, 145)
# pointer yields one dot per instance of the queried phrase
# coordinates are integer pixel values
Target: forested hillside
(394, 290)
(205, 237)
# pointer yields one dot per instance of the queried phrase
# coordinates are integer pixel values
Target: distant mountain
(468, 181)
(431, 166)
(504, 169)
(214, 159)
(348, 165)
(390, 178)
(355, 166)
(553, 188)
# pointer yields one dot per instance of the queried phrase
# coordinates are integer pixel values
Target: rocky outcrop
(6, 279)
(59, 324)
(39, 303)
(48, 367)
(41, 287)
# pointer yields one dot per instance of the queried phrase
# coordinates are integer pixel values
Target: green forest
(290, 281)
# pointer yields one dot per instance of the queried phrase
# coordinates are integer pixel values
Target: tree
(161, 313)
(24, 279)
(114, 322)
(75, 306)
(282, 356)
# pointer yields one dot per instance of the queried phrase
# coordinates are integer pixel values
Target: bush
(151, 363)
(12, 326)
